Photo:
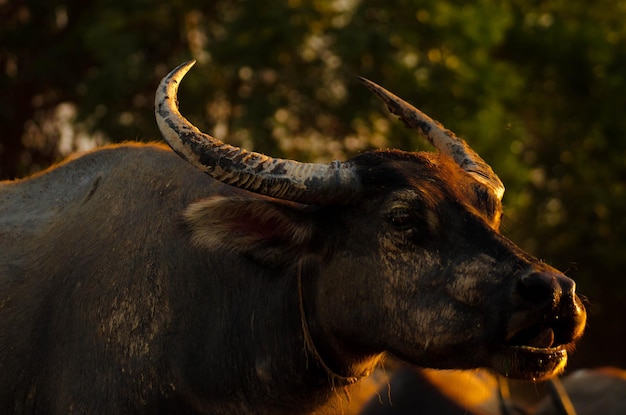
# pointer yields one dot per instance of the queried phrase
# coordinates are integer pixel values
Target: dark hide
(130, 282)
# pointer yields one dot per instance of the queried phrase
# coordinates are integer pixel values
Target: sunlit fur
(436, 176)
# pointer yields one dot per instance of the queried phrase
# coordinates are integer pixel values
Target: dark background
(537, 87)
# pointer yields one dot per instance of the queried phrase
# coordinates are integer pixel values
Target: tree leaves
(538, 88)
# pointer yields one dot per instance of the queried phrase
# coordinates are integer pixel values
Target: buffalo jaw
(530, 363)
(541, 353)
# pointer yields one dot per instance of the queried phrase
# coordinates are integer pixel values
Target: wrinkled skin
(445, 283)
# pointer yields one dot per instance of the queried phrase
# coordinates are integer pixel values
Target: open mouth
(530, 363)
(540, 334)
(531, 356)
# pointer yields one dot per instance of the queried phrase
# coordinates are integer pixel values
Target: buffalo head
(394, 251)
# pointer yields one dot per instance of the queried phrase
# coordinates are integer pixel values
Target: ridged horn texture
(442, 139)
(308, 183)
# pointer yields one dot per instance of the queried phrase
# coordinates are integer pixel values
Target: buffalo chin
(530, 363)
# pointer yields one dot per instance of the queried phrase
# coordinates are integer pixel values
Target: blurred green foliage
(538, 88)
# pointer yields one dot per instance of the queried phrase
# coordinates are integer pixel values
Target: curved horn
(285, 179)
(442, 139)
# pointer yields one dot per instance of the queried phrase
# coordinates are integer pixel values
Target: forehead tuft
(431, 173)
(394, 168)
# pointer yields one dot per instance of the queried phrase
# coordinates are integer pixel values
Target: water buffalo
(412, 390)
(426, 391)
(588, 392)
(229, 282)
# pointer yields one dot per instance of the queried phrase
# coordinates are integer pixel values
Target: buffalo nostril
(540, 288)
(568, 286)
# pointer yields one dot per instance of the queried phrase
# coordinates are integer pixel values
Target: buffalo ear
(267, 230)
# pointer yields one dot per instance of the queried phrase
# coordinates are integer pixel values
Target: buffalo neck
(250, 343)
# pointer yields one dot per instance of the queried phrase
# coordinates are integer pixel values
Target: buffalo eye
(400, 217)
